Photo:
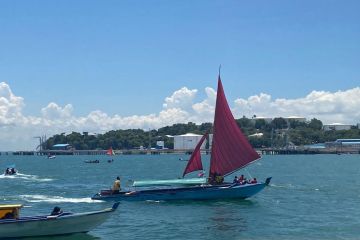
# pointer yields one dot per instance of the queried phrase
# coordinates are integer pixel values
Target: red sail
(230, 148)
(194, 163)
(110, 152)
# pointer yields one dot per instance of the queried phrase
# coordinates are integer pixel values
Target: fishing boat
(230, 152)
(12, 225)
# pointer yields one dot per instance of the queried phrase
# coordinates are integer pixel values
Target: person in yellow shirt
(116, 186)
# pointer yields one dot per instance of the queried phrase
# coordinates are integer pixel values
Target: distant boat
(92, 161)
(10, 170)
(51, 156)
(230, 152)
(57, 223)
(181, 159)
(110, 152)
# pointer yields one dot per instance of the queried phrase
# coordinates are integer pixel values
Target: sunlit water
(310, 197)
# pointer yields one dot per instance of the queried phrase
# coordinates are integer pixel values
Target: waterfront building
(266, 119)
(295, 118)
(287, 119)
(62, 146)
(187, 141)
(336, 127)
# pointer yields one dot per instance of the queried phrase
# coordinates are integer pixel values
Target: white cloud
(205, 110)
(10, 106)
(182, 98)
(18, 131)
(341, 106)
(53, 111)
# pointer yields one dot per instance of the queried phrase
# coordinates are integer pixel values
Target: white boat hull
(47, 226)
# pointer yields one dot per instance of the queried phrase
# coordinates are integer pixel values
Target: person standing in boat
(116, 186)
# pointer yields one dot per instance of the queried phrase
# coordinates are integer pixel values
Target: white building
(160, 144)
(187, 141)
(336, 126)
(266, 119)
(295, 118)
(210, 140)
(257, 135)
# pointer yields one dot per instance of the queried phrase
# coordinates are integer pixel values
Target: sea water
(310, 197)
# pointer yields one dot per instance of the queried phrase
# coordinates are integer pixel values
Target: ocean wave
(56, 199)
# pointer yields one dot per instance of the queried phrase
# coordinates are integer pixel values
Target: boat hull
(52, 225)
(226, 191)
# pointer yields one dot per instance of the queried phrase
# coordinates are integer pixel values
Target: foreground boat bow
(47, 225)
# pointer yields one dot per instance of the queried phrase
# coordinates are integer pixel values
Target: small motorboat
(56, 223)
(51, 156)
(10, 171)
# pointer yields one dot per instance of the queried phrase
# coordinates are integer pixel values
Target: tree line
(277, 133)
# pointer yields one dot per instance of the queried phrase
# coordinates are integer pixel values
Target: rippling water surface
(310, 197)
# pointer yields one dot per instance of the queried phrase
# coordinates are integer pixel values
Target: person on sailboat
(253, 181)
(116, 186)
(216, 178)
(236, 180)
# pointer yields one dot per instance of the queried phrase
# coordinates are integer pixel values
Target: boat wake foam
(56, 199)
(290, 186)
(34, 178)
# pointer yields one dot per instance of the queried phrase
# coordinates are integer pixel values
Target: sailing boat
(230, 152)
(110, 152)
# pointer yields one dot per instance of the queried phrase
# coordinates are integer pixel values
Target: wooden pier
(263, 151)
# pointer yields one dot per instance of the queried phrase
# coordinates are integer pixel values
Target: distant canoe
(92, 161)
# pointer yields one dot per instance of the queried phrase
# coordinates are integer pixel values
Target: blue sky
(126, 57)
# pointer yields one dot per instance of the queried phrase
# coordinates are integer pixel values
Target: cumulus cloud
(205, 110)
(54, 111)
(10, 105)
(340, 106)
(18, 131)
(182, 98)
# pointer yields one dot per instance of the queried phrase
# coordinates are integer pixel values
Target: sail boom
(227, 174)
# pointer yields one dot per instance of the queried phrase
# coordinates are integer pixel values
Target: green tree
(315, 124)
